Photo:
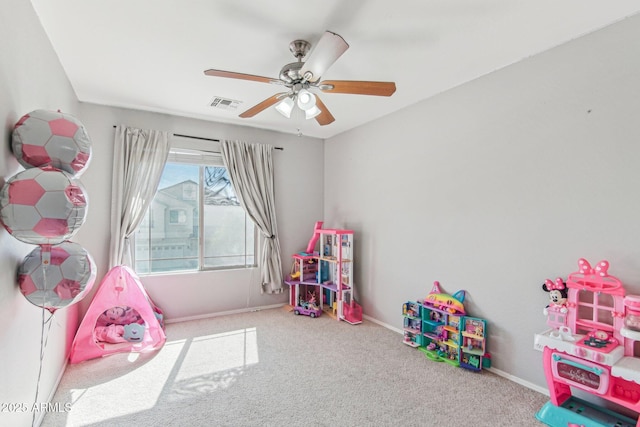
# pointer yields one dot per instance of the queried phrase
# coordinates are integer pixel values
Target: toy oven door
(580, 373)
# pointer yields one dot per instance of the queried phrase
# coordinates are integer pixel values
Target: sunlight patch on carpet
(115, 397)
(220, 352)
(182, 369)
(214, 362)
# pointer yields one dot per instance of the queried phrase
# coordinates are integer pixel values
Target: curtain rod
(207, 139)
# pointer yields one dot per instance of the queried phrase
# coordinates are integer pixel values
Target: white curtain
(138, 161)
(250, 168)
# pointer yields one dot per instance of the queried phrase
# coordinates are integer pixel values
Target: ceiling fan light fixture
(306, 100)
(307, 76)
(285, 107)
(312, 112)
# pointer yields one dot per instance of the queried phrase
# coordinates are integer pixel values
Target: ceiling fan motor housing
(290, 73)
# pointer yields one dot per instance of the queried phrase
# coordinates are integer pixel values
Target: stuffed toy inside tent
(121, 319)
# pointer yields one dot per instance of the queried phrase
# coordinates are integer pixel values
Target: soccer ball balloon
(49, 138)
(56, 276)
(42, 206)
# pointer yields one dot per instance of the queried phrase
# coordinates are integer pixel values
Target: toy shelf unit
(412, 330)
(326, 275)
(472, 343)
(594, 348)
(439, 327)
(442, 343)
(455, 339)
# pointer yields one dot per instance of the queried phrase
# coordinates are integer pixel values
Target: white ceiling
(151, 54)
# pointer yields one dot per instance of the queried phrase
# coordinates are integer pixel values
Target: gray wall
(31, 78)
(497, 185)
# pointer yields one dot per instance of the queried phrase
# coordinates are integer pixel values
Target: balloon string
(43, 346)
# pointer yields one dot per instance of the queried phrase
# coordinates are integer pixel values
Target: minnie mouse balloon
(42, 206)
(49, 138)
(56, 276)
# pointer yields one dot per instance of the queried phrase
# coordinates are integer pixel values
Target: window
(195, 221)
(594, 311)
(177, 216)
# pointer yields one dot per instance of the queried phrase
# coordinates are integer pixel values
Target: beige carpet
(272, 368)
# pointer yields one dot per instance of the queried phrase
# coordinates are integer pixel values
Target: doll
(557, 295)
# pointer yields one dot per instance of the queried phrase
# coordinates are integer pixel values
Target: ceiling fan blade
(263, 105)
(241, 76)
(325, 117)
(358, 87)
(329, 48)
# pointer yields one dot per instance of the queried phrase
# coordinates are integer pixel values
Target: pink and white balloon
(54, 277)
(50, 138)
(43, 206)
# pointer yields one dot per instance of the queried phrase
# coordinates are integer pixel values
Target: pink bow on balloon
(557, 286)
(601, 268)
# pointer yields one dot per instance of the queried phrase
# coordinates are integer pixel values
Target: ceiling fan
(302, 79)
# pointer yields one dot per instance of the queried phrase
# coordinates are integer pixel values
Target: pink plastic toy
(594, 348)
(315, 237)
(328, 272)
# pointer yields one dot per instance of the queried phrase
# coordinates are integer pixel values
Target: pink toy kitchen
(592, 345)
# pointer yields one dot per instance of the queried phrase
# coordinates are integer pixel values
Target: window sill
(192, 272)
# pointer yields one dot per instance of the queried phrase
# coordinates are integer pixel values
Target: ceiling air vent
(224, 103)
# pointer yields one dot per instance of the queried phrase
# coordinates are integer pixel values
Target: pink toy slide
(121, 319)
(314, 238)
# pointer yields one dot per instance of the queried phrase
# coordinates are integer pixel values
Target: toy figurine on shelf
(556, 310)
(312, 300)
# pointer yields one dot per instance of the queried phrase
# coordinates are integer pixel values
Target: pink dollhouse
(594, 346)
(326, 275)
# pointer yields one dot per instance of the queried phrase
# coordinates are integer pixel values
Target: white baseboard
(386, 325)
(527, 384)
(41, 414)
(224, 313)
(498, 372)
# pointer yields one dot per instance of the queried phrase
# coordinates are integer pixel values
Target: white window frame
(195, 153)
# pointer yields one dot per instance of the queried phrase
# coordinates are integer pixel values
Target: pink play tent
(121, 318)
